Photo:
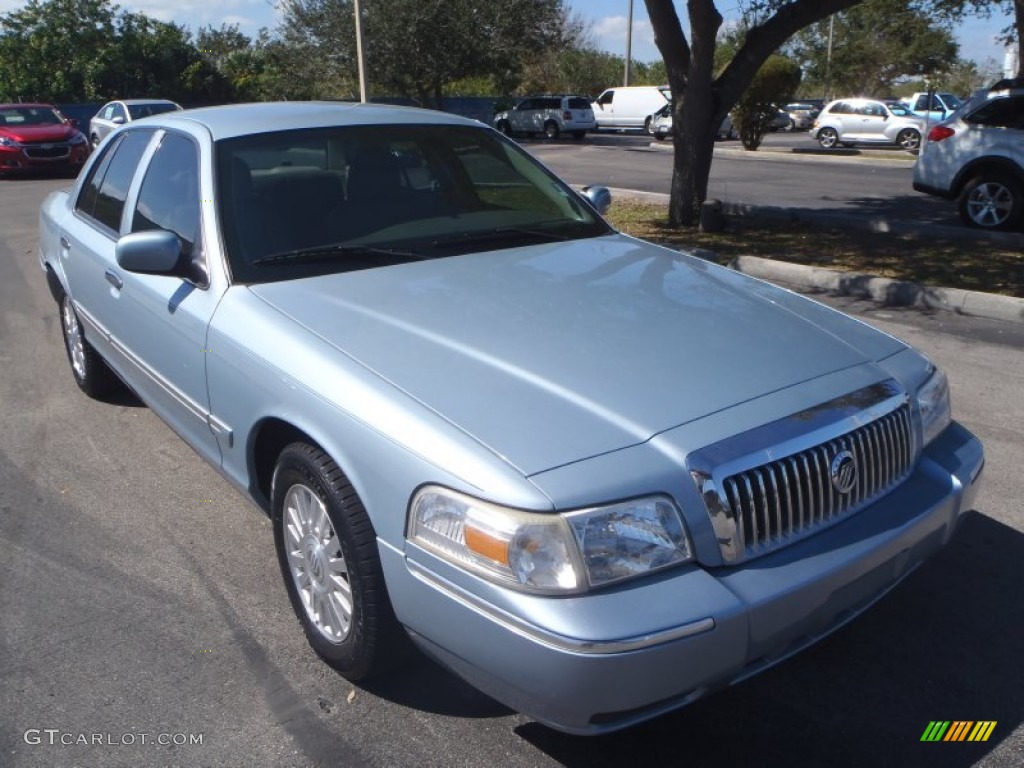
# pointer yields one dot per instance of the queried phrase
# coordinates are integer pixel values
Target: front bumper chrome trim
(552, 639)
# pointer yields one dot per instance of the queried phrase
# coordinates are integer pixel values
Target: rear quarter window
(999, 113)
(579, 104)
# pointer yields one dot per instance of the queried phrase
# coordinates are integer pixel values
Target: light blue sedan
(595, 477)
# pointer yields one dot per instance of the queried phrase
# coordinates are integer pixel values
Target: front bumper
(569, 663)
(28, 158)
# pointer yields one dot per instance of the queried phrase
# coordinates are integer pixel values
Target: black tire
(578, 135)
(647, 125)
(909, 139)
(551, 130)
(505, 127)
(828, 138)
(94, 140)
(91, 373)
(373, 640)
(992, 200)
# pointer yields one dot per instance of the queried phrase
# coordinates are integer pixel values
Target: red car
(38, 137)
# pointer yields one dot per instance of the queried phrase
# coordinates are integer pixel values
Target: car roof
(136, 102)
(234, 120)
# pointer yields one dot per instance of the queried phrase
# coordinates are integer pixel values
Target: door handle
(64, 243)
(114, 279)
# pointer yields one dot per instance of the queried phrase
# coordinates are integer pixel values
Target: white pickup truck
(934, 105)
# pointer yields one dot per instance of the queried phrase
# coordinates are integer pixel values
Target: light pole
(629, 43)
(359, 53)
(828, 57)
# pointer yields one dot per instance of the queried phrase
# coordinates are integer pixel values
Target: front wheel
(327, 550)
(505, 127)
(909, 139)
(94, 140)
(992, 200)
(828, 138)
(89, 369)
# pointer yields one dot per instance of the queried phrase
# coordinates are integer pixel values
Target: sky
(608, 19)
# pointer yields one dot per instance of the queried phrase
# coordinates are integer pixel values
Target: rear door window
(1000, 113)
(103, 196)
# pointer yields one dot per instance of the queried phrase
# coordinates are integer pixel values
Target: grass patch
(978, 266)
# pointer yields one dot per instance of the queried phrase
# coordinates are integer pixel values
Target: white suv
(550, 115)
(977, 158)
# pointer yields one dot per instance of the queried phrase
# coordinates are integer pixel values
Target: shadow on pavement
(945, 645)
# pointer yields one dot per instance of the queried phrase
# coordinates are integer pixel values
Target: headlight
(933, 400)
(549, 552)
(8, 142)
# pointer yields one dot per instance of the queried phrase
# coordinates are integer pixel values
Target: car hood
(552, 354)
(34, 134)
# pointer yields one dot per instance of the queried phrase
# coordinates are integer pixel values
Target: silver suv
(867, 121)
(976, 157)
(550, 115)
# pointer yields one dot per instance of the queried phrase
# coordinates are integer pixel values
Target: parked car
(548, 115)
(116, 113)
(848, 122)
(977, 158)
(661, 125)
(38, 137)
(472, 410)
(933, 106)
(630, 106)
(801, 114)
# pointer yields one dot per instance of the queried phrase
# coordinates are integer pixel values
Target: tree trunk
(1018, 13)
(701, 101)
(695, 135)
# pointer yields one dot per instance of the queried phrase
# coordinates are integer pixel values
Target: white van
(630, 106)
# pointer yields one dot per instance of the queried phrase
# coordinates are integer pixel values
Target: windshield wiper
(326, 252)
(498, 233)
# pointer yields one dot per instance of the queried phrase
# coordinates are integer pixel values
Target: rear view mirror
(599, 197)
(155, 251)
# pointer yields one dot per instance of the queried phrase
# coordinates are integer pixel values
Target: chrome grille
(787, 498)
(47, 151)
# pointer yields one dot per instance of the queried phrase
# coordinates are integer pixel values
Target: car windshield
(29, 116)
(139, 111)
(297, 203)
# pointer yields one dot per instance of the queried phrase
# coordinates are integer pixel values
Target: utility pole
(828, 57)
(359, 53)
(629, 43)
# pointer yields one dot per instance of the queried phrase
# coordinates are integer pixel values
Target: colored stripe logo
(958, 730)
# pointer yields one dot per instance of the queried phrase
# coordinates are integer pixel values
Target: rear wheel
(909, 139)
(327, 550)
(551, 129)
(992, 200)
(647, 125)
(828, 138)
(89, 369)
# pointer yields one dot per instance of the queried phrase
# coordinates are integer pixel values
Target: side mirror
(154, 252)
(599, 197)
(117, 120)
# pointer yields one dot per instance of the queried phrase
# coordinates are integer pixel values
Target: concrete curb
(881, 290)
(898, 158)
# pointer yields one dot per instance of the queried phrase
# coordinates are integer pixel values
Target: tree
(875, 44)
(414, 48)
(53, 50)
(775, 82)
(84, 50)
